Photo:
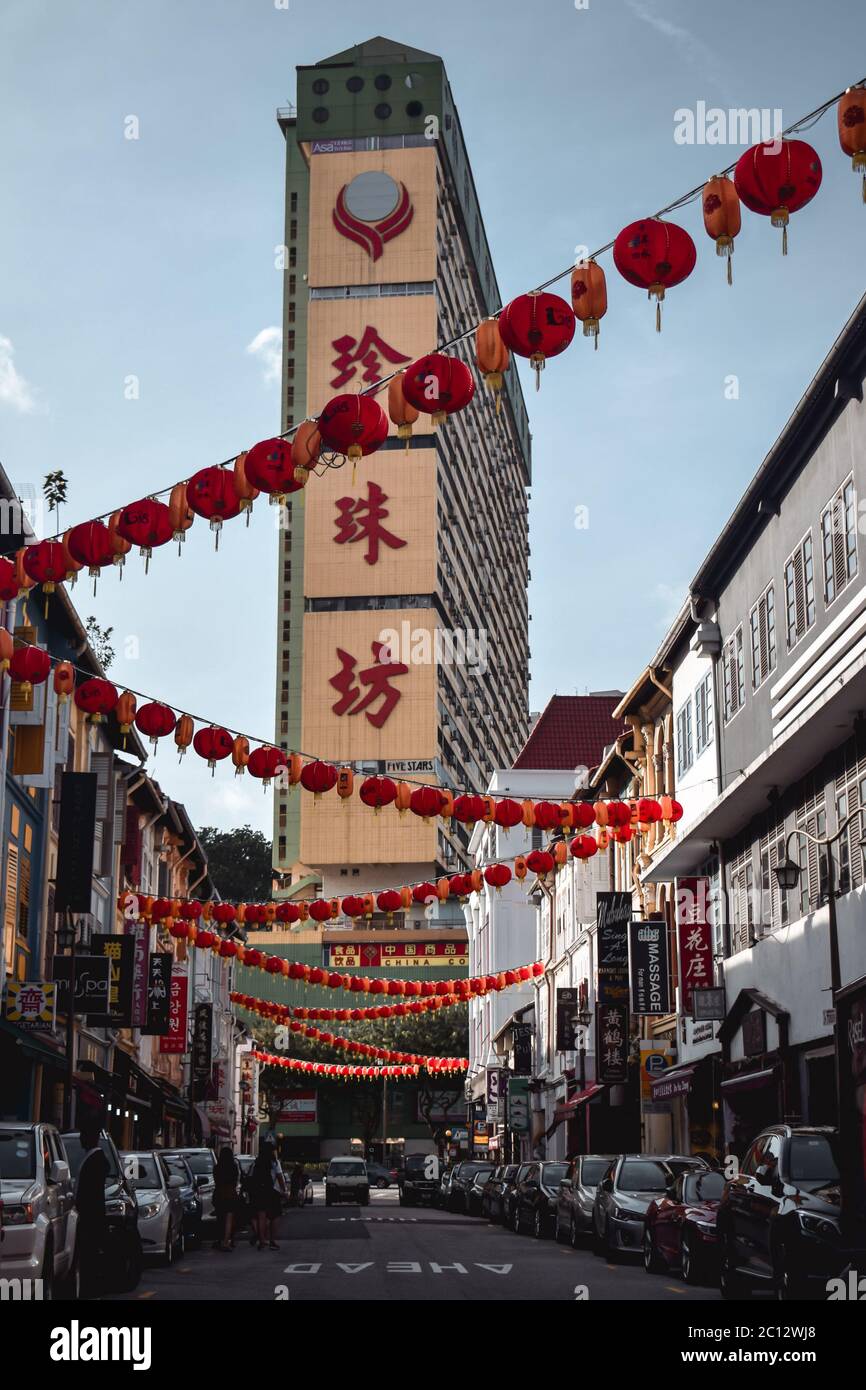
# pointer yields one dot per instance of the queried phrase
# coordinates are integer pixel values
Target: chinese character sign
(361, 690)
(398, 954)
(140, 932)
(175, 1039)
(695, 939)
(30, 1004)
(366, 354)
(612, 1044)
(360, 519)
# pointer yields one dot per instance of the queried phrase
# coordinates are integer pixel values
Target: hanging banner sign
(158, 993)
(92, 983)
(139, 933)
(612, 1044)
(119, 951)
(202, 1039)
(566, 1008)
(30, 1005)
(73, 890)
(613, 914)
(649, 969)
(175, 1039)
(521, 1043)
(355, 955)
(694, 939)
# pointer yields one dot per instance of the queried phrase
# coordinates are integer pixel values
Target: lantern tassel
(785, 240)
(658, 316)
(730, 269)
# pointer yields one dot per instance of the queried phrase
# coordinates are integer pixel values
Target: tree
(54, 489)
(100, 640)
(239, 862)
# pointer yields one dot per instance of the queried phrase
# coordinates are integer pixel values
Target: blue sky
(154, 258)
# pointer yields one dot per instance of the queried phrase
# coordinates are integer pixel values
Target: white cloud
(692, 49)
(267, 346)
(14, 390)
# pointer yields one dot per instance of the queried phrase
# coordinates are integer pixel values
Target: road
(385, 1251)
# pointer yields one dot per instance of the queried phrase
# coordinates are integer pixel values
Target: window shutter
(799, 593)
(10, 908)
(840, 557)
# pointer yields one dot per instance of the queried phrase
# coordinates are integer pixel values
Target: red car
(681, 1226)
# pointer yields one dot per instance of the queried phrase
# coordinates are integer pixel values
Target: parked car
(780, 1222)
(39, 1219)
(491, 1198)
(621, 1199)
(202, 1162)
(681, 1226)
(443, 1195)
(347, 1180)
(536, 1196)
(123, 1254)
(475, 1191)
(380, 1176)
(419, 1179)
(577, 1196)
(508, 1198)
(160, 1209)
(189, 1196)
(458, 1196)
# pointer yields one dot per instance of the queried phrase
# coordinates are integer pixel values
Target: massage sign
(649, 973)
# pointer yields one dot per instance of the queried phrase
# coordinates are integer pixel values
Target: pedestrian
(298, 1182)
(268, 1187)
(90, 1204)
(225, 1198)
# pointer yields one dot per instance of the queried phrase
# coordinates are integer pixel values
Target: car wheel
(789, 1288)
(690, 1263)
(131, 1272)
(168, 1252)
(572, 1234)
(180, 1248)
(731, 1283)
(651, 1261)
(382, 1182)
(538, 1225)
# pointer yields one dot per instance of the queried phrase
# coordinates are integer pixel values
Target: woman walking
(225, 1197)
(268, 1188)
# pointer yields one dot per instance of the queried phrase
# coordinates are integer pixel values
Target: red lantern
(8, 581)
(537, 325)
(224, 913)
(546, 814)
(378, 792)
(155, 721)
(29, 666)
(353, 425)
(722, 216)
(852, 129)
(777, 179)
(45, 563)
(508, 813)
(147, 524)
(655, 256)
(648, 810)
(389, 902)
(582, 815)
(318, 777)
(96, 698)
(468, 808)
(425, 802)
(423, 892)
(459, 885)
(288, 912)
(589, 297)
(90, 544)
(539, 861)
(438, 385)
(213, 744)
(584, 846)
(270, 467)
(497, 875)
(265, 762)
(618, 815)
(211, 493)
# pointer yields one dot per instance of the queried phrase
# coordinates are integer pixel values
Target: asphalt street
(387, 1252)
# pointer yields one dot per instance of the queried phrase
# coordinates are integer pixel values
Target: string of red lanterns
(381, 1054)
(266, 1008)
(333, 1072)
(774, 179)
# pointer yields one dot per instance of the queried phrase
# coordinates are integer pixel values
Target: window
(293, 202)
(774, 903)
(735, 682)
(800, 591)
(685, 751)
(741, 902)
(839, 541)
(762, 628)
(704, 713)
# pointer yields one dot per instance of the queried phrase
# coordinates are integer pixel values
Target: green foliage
(239, 861)
(100, 640)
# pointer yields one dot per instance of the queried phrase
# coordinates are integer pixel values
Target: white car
(38, 1219)
(347, 1180)
(160, 1206)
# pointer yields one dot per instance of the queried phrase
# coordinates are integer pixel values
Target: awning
(676, 1081)
(749, 1080)
(563, 1112)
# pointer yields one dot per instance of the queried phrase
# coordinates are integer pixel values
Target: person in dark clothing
(90, 1205)
(298, 1182)
(266, 1187)
(226, 1175)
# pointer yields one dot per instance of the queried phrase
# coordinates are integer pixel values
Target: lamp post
(788, 876)
(66, 938)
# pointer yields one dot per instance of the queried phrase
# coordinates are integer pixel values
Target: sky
(138, 288)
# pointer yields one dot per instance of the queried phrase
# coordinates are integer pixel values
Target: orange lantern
(245, 490)
(345, 783)
(25, 582)
(589, 297)
(721, 206)
(181, 513)
(403, 797)
(125, 712)
(240, 754)
(852, 129)
(7, 647)
(491, 357)
(400, 412)
(120, 546)
(296, 767)
(183, 732)
(72, 565)
(306, 447)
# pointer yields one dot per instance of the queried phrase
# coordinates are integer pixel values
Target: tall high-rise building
(386, 258)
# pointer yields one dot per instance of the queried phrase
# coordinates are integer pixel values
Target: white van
(347, 1180)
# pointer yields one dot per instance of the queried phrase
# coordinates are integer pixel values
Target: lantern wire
(803, 123)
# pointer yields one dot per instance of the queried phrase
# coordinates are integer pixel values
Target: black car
(508, 1198)
(536, 1197)
(780, 1222)
(419, 1180)
(192, 1204)
(476, 1189)
(123, 1245)
(464, 1176)
(491, 1198)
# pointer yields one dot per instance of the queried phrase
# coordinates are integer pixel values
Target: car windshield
(200, 1163)
(593, 1170)
(468, 1170)
(482, 1174)
(683, 1165)
(143, 1172)
(180, 1166)
(347, 1170)
(552, 1174)
(75, 1153)
(17, 1153)
(703, 1187)
(812, 1159)
(638, 1175)
(417, 1163)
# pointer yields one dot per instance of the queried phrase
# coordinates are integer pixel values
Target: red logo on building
(371, 210)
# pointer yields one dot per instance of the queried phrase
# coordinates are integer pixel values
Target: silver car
(160, 1206)
(622, 1197)
(576, 1199)
(203, 1163)
(38, 1219)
